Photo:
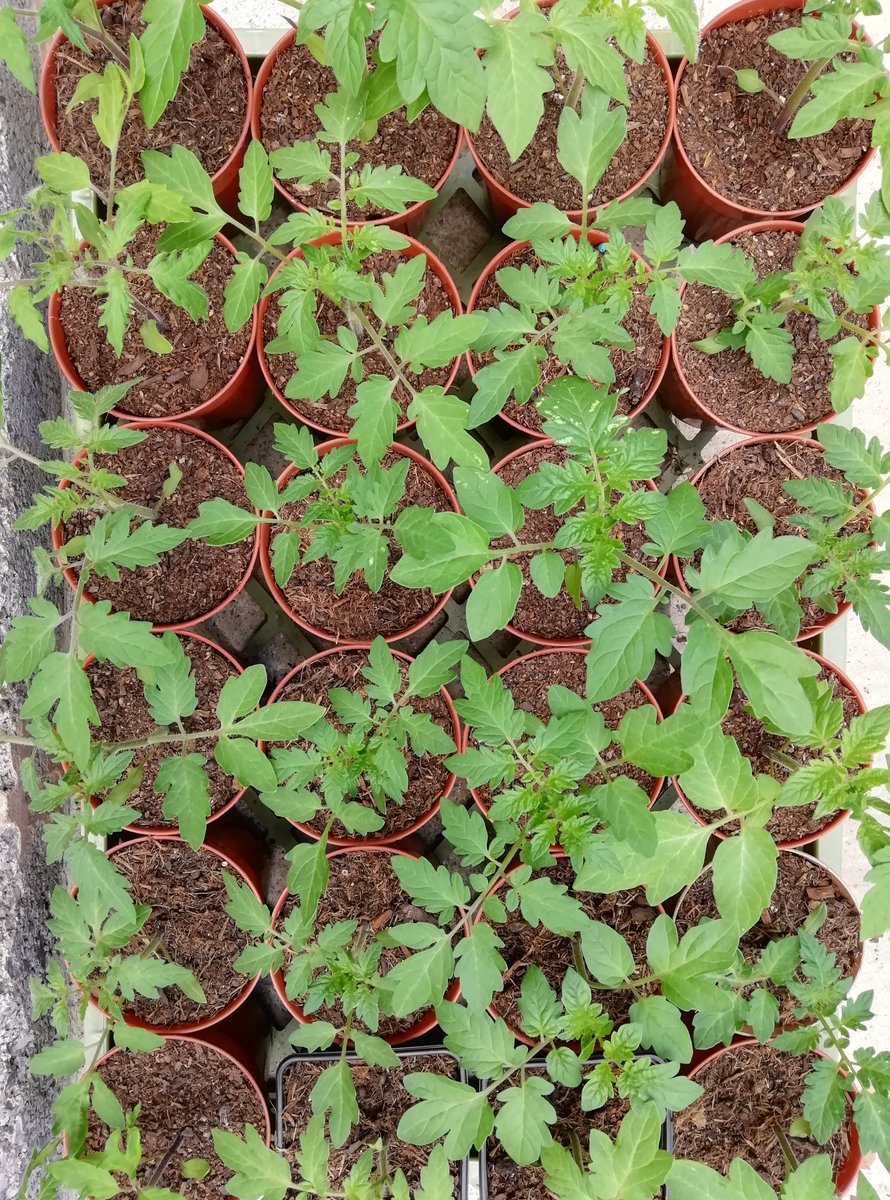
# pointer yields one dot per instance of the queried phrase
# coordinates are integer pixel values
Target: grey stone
(237, 623)
(32, 392)
(278, 656)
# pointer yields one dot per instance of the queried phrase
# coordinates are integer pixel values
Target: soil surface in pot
(382, 1101)
(192, 578)
(207, 114)
(535, 614)
(508, 1181)
(297, 82)
(357, 613)
(787, 823)
(759, 471)
(634, 369)
(802, 886)
(427, 774)
(333, 411)
(529, 680)
(363, 887)
(749, 1092)
(184, 1088)
(729, 383)
(187, 896)
(524, 945)
(124, 716)
(538, 175)
(205, 355)
(726, 132)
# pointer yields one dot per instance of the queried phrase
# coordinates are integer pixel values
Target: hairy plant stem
(797, 97)
(791, 1162)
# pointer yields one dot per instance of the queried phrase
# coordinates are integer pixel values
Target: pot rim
(392, 219)
(810, 858)
(670, 87)
(849, 1168)
(596, 237)
(47, 99)
(729, 16)
(59, 343)
(755, 439)
(426, 1020)
(658, 783)
(381, 839)
(838, 818)
(415, 248)
(263, 544)
(195, 1039)
(771, 224)
(558, 853)
(198, 1026)
(536, 640)
(154, 831)
(177, 626)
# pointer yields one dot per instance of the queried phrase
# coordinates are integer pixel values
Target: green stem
(835, 1044)
(797, 97)
(575, 90)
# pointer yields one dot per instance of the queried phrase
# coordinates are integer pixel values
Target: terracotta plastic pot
(675, 392)
(227, 1049)
(706, 212)
(505, 203)
(178, 627)
(536, 640)
(242, 866)
(835, 879)
(492, 1009)
(501, 259)
(407, 222)
(167, 830)
(849, 1169)
(237, 399)
(677, 565)
(263, 538)
(376, 839)
(333, 239)
(504, 673)
(671, 695)
(424, 1023)
(225, 180)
